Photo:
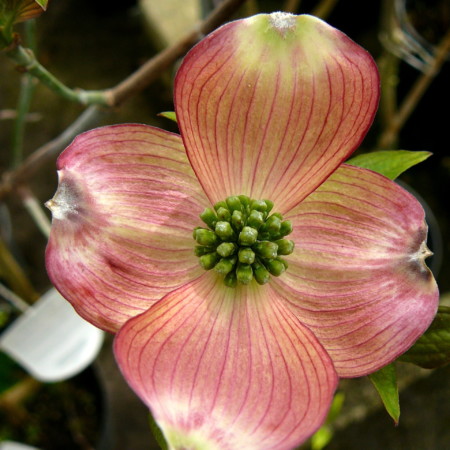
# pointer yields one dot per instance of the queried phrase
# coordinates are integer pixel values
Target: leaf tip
(171, 115)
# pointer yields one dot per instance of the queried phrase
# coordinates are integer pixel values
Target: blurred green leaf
(385, 382)
(322, 437)
(157, 433)
(390, 163)
(432, 349)
(14, 11)
(42, 3)
(29, 9)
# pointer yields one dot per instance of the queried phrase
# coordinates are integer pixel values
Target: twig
(408, 105)
(33, 206)
(8, 114)
(388, 65)
(13, 299)
(27, 86)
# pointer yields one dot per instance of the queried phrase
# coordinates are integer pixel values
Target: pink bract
(268, 107)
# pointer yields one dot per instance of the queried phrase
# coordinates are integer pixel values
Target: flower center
(243, 240)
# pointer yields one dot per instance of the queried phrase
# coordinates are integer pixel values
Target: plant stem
(23, 106)
(26, 59)
(25, 96)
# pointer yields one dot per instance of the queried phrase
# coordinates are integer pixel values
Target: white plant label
(51, 341)
(10, 445)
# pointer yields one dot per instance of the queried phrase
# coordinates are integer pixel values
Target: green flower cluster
(243, 240)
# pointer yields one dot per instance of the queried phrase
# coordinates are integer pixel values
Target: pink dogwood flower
(316, 267)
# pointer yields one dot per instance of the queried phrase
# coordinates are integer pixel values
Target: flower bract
(268, 108)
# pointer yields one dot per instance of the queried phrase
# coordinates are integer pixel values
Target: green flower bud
(248, 236)
(194, 233)
(223, 214)
(208, 216)
(246, 255)
(237, 220)
(272, 225)
(245, 201)
(234, 204)
(261, 274)
(200, 250)
(226, 249)
(269, 204)
(255, 219)
(209, 260)
(244, 273)
(225, 265)
(224, 230)
(285, 228)
(266, 249)
(230, 279)
(220, 205)
(259, 205)
(206, 237)
(285, 246)
(276, 267)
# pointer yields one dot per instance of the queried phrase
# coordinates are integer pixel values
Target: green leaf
(390, 163)
(169, 115)
(336, 407)
(157, 433)
(432, 349)
(322, 437)
(385, 382)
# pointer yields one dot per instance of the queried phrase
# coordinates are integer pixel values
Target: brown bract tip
(65, 202)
